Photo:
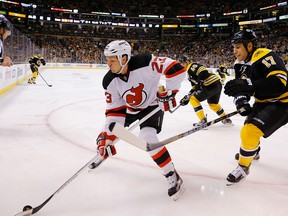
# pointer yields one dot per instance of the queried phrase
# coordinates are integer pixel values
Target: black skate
(175, 182)
(30, 81)
(227, 122)
(203, 121)
(238, 174)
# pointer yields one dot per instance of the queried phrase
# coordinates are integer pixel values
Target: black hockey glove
(33, 67)
(185, 100)
(198, 86)
(43, 62)
(239, 86)
(242, 101)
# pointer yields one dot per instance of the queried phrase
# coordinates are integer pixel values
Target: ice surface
(48, 134)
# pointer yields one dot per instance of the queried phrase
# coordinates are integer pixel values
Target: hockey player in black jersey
(35, 62)
(222, 70)
(205, 86)
(261, 73)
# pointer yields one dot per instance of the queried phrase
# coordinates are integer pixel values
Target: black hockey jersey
(268, 75)
(37, 60)
(197, 73)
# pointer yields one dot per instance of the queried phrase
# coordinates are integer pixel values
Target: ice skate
(256, 157)
(175, 182)
(203, 121)
(238, 174)
(30, 81)
(227, 122)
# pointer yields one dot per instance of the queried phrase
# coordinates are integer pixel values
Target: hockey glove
(185, 100)
(43, 62)
(242, 101)
(104, 145)
(33, 67)
(167, 100)
(239, 86)
(198, 86)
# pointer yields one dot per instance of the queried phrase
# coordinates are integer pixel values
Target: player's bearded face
(240, 52)
(113, 64)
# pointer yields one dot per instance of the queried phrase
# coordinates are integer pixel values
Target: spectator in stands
(5, 31)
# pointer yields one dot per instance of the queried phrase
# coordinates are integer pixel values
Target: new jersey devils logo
(135, 96)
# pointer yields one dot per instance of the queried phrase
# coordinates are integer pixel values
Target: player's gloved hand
(239, 86)
(104, 145)
(185, 100)
(242, 102)
(198, 86)
(167, 100)
(33, 67)
(43, 62)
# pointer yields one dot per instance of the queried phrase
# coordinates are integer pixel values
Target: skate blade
(228, 124)
(177, 195)
(206, 128)
(234, 183)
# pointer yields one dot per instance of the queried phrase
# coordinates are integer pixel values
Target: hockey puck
(27, 207)
(50, 85)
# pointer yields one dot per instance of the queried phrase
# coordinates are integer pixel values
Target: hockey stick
(171, 111)
(44, 79)
(127, 136)
(96, 160)
(28, 210)
(94, 165)
(189, 95)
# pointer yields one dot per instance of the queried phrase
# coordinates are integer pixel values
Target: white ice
(48, 134)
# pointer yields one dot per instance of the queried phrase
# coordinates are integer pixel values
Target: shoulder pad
(109, 76)
(140, 60)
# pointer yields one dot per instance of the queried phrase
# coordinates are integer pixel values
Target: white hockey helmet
(118, 48)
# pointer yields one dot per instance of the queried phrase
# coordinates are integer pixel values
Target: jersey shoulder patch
(259, 53)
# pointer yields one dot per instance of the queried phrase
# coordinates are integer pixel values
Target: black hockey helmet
(4, 23)
(183, 59)
(245, 36)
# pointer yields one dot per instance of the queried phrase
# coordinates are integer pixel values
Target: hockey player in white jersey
(5, 31)
(131, 89)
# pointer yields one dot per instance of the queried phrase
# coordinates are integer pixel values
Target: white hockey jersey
(137, 90)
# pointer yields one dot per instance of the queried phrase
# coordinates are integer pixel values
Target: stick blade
(120, 132)
(25, 213)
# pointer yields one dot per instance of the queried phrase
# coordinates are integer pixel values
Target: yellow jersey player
(35, 62)
(261, 73)
(222, 70)
(205, 86)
